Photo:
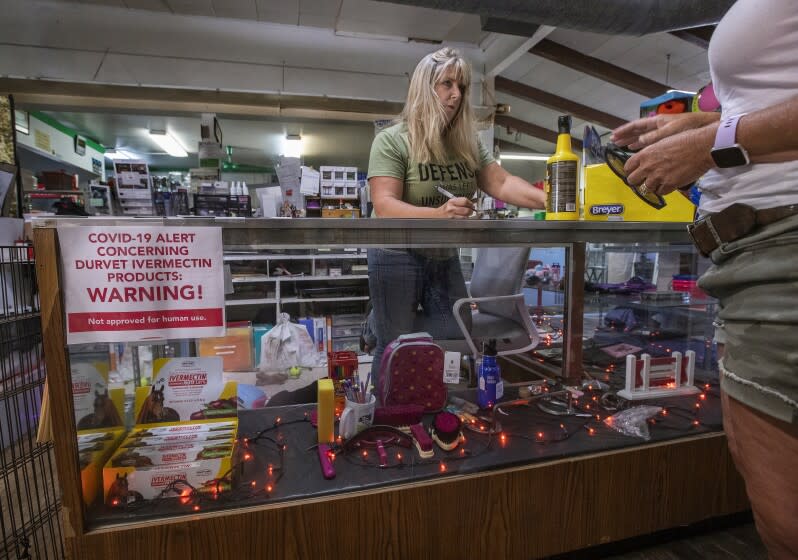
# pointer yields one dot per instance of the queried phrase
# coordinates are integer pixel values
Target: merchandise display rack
(30, 504)
(554, 501)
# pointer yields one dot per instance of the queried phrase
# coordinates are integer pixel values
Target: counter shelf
(527, 436)
(552, 496)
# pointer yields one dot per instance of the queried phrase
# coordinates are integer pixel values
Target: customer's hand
(646, 131)
(673, 162)
(458, 207)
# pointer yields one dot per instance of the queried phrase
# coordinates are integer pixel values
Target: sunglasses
(616, 157)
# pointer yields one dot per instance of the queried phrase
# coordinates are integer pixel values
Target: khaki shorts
(756, 280)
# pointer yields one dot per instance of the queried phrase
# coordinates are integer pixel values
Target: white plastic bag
(633, 421)
(287, 345)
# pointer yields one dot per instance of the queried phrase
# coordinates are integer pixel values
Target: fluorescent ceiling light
(530, 157)
(168, 143)
(121, 154)
(293, 146)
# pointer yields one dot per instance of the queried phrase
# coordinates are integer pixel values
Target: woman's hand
(458, 207)
(673, 162)
(646, 131)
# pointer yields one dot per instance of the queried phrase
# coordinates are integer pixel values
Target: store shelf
(310, 273)
(298, 278)
(243, 302)
(54, 191)
(272, 301)
(330, 299)
(277, 257)
(70, 168)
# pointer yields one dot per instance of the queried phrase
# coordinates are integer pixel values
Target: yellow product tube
(326, 411)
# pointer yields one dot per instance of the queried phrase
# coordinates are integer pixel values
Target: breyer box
(608, 199)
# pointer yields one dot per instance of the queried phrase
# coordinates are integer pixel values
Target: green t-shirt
(390, 157)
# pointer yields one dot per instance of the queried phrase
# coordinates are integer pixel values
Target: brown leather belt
(732, 223)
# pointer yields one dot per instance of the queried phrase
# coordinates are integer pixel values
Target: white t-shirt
(753, 57)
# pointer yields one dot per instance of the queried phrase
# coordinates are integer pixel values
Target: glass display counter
(209, 445)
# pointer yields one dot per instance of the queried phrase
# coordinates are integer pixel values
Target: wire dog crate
(29, 495)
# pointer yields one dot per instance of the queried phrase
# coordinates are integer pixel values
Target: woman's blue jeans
(411, 292)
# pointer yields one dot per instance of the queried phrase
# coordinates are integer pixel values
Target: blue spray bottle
(489, 387)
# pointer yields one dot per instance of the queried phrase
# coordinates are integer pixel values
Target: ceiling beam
(557, 103)
(506, 49)
(598, 68)
(532, 130)
(113, 97)
(698, 36)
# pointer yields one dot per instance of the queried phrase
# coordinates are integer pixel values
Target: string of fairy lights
(262, 456)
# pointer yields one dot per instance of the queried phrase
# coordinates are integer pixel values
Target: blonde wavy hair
(431, 137)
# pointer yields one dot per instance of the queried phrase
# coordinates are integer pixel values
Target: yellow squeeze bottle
(562, 192)
(325, 411)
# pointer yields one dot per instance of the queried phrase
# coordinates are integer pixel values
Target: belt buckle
(695, 228)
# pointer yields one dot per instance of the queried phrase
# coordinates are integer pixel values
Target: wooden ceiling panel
(191, 7)
(549, 76)
(237, 9)
(115, 3)
(466, 30)
(285, 11)
(379, 18)
(582, 41)
(319, 13)
(523, 66)
(645, 56)
(150, 5)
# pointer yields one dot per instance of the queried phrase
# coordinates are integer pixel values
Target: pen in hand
(450, 196)
(444, 192)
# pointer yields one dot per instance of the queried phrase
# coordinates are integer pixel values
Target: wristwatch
(727, 152)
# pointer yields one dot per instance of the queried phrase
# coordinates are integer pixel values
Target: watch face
(733, 156)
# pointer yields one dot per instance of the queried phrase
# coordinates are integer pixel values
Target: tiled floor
(739, 542)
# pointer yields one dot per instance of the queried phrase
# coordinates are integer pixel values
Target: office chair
(497, 303)
(497, 309)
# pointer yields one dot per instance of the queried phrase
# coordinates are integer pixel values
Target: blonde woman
(429, 165)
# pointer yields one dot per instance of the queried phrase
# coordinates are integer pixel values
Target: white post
(677, 356)
(630, 372)
(690, 367)
(646, 373)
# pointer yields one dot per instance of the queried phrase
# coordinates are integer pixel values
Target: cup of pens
(358, 411)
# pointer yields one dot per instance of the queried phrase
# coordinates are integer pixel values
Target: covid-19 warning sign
(125, 284)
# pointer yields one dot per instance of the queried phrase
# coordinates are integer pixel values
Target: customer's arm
(643, 132)
(386, 195)
(769, 136)
(498, 183)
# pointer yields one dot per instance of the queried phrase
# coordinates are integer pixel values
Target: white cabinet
(307, 283)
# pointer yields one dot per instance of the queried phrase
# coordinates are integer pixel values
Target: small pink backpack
(411, 372)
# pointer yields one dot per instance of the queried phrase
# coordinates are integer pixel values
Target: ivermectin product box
(186, 389)
(178, 438)
(175, 438)
(150, 456)
(94, 448)
(124, 485)
(96, 405)
(183, 429)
